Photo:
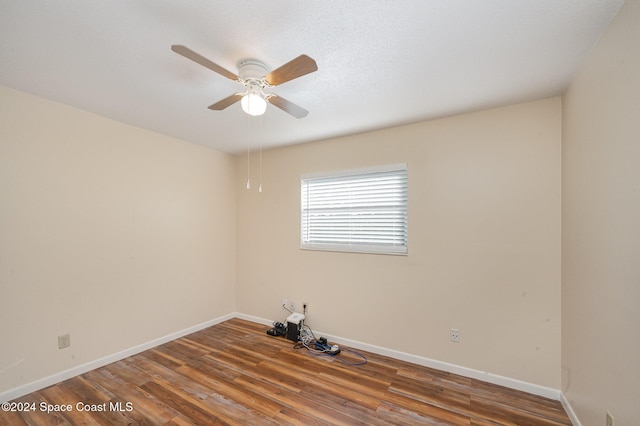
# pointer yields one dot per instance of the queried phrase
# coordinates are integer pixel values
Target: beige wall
(119, 236)
(484, 243)
(111, 233)
(601, 231)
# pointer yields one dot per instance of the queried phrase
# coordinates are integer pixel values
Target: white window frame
(392, 206)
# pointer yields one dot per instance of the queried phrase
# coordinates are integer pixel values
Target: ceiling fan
(255, 77)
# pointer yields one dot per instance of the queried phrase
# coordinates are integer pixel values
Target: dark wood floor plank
(38, 417)
(89, 393)
(126, 370)
(448, 395)
(349, 406)
(295, 400)
(233, 361)
(58, 395)
(191, 412)
(292, 416)
(428, 411)
(12, 418)
(234, 373)
(492, 395)
(230, 389)
(163, 357)
(152, 409)
(412, 414)
(178, 421)
(200, 395)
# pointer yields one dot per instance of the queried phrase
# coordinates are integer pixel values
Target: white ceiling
(380, 62)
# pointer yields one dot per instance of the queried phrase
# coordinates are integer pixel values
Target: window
(357, 211)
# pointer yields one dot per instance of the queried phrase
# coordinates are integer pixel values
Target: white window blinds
(358, 211)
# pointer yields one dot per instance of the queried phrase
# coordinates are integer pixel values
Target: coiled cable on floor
(321, 348)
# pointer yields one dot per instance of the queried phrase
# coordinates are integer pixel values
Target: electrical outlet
(64, 341)
(292, 305)
(609, 419)
(455, 335)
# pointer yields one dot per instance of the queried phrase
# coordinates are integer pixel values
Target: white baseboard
(415, 359)
(531, 388)
(451, 368)
(251, 318)
(81, 369)
(569, 410)
(431, 363)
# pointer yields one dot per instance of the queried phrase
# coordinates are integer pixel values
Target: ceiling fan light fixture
(255, 76)
(253, 103)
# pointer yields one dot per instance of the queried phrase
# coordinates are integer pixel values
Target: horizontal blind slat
(364, 209)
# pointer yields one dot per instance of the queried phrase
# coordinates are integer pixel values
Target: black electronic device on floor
(279, 329)
(294, 325)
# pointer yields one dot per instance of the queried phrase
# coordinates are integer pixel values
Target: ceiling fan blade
(295, 68)
(195, 57)
(226, 102)
(288, 107)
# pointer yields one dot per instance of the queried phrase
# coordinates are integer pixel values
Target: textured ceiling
(380, 63)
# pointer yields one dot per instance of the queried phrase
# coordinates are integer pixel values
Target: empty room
(283, 212)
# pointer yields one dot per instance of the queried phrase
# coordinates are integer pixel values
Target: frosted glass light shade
(253, 104)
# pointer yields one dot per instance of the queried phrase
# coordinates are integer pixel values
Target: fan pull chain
(259, 156)
(248, 162)
(260, 159)
(260, 186)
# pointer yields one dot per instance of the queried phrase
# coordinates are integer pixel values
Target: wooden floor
(233, 373)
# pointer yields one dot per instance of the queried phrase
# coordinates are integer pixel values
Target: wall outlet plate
(455, 335)
(64, 341)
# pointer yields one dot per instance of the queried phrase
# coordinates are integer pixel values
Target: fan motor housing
(251, 69)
